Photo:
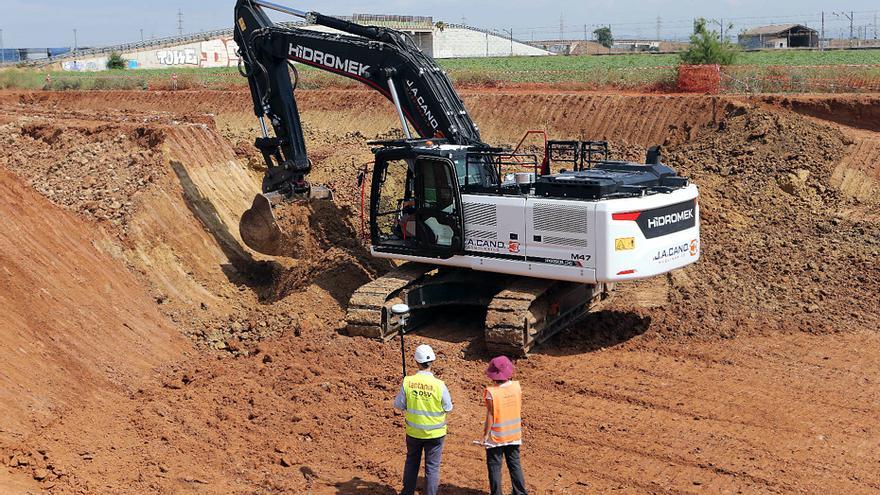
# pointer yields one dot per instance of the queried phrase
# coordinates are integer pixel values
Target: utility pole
(585, 32)
(561, 28)
(850, 25)
(850, 17)
(510, 33)
(179, 22)
(3, 52)
(822, 34)
(720, 24)
(75, 45)
(658, 29)
(142, 35)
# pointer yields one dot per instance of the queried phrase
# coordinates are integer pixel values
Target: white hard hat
(424, 354)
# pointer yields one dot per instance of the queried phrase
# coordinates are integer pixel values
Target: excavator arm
(381, 58)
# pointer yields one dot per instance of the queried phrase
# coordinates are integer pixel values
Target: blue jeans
(433, 451)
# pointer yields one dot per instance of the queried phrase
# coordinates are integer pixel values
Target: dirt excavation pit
(318, 234)
(754, 370)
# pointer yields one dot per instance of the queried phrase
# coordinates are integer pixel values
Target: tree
(115, 61)
(707, 47)
(603, 36)
(440, 25)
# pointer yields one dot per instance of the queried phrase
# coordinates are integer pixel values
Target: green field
(587, 62)
(586, 71)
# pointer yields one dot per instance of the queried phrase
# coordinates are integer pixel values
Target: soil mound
(91, 169)
(318, 234)
(778, 253)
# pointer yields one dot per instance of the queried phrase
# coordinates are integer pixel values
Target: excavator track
(530, 311)
(370, 306)
(520, 312)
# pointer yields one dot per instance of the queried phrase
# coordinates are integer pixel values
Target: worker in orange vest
(502, 435)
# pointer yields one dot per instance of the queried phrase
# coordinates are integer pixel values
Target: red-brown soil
(754, 371)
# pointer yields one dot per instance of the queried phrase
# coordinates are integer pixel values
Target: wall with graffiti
(219, 52)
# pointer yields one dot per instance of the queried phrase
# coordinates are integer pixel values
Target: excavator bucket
(259, 229)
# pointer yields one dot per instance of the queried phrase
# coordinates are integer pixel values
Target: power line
(794, 18)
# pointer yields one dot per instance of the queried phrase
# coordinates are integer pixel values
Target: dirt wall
(75, 322)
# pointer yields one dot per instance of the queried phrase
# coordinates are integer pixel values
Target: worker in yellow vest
(502, 434)
(426, 402)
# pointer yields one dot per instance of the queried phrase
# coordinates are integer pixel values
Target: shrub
(115, 61)
(707, 48)
(65, 84)
(20, 79)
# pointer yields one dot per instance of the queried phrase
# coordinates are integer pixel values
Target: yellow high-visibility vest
(425, 417)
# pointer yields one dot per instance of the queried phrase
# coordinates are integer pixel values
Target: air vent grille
(564, 241)
(480, 214)
(560, 218)
(480, 234)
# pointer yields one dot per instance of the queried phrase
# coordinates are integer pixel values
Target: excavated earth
(146, 350)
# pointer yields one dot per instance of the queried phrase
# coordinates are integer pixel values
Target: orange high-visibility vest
(506, 413)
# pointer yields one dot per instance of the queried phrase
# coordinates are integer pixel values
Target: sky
(34, 23)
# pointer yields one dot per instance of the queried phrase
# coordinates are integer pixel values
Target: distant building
(13, 55)
(779, 36)
(636, 45)
(581, 47)
(218, 49)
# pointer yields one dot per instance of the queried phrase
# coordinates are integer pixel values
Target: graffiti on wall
(220, 52)
(185, 56)
(89, 65)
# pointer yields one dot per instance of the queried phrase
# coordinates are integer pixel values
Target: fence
(800, 79)
(737, 79)
(699, 78)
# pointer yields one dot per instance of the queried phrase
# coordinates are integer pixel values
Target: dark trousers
(493, 463)
(433, 451)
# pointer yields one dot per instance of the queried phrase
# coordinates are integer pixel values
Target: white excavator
(473, 223)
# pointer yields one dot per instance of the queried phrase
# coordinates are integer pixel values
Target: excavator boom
(383, 59)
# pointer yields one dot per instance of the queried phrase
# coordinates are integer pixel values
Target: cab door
(438, 207)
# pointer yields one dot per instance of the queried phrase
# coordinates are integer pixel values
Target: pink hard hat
(500, 368)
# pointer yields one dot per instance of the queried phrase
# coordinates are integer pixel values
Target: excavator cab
(415, 204)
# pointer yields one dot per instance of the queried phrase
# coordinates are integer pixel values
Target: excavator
(470, 223)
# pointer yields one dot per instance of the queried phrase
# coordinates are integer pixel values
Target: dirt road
(152, 353)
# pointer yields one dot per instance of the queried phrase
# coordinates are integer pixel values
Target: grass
(585, 71)
(809, 57)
